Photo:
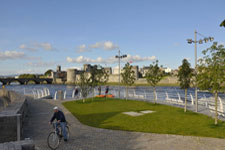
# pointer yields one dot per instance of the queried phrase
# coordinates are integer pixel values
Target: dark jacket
(58, 116)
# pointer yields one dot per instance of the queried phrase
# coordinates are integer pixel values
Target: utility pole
(119, 76)
(196, 89)
(190, 41)
(119, 57)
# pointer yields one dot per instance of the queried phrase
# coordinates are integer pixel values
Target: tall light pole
(190, 41)
(119, 57)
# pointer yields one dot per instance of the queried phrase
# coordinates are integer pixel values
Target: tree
(211, 72)
(98, 77)
(48, 72)
(84, 83)
(184, 77)
(153, 76)
(128, 77)
(222, 24)
(27, 76)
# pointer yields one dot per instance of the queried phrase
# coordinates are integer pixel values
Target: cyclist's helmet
(56, 108)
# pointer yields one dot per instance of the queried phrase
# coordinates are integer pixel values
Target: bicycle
(55, 138)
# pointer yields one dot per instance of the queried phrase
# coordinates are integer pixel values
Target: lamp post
(190, 41)
(119, 57)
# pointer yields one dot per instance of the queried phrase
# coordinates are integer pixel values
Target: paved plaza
(83, 137)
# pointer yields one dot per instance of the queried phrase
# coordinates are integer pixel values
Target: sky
(37, 35)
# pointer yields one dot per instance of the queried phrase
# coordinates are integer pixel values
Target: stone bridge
(8, 81)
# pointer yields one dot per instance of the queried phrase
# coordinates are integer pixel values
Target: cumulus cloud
(40, 64)
(111, 60)
(36, 46)
(107, 45)
(137, 58)
(11, 55)
(82, 48)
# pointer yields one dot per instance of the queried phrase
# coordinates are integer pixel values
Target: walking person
(76, 92)
(106, 91)
(99, 90)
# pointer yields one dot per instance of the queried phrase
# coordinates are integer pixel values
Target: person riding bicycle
(61, 121)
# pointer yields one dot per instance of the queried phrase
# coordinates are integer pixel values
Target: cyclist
(61, 121)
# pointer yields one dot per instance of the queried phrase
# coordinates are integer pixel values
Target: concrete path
(89, 138)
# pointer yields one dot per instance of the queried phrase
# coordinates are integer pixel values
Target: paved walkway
(83, 137)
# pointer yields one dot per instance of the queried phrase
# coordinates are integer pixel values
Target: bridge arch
(32, 80)
(15, 81)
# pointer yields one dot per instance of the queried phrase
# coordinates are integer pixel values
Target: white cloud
(11, 55)
(82, 48)
(138, 58)
(111, 60)
(41, 64)
(107, 45)
(45, 46)
(36, 46)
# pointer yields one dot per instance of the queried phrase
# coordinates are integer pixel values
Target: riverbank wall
(13, 110)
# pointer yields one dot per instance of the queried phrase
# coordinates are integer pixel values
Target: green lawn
(107, 114)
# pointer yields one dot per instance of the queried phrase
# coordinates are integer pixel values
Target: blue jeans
(63, 126)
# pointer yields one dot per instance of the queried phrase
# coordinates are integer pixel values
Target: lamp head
(189, 41)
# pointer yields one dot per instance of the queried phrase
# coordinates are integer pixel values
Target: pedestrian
(107, 90)
(99, 90)
(76, 92)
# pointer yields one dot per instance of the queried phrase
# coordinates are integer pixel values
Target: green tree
(27, 76)
(48, 72)
(128, 77)
(98, 77)
(211, 72)
(153, 76)
(184, 77)
(222, 24)
(84, 82)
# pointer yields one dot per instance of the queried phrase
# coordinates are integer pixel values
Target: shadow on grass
(97, 119)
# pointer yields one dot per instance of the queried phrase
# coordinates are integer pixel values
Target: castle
(72, 75)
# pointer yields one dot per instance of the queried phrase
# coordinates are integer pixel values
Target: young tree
(211, 72)
(153, 76)
(98, 77)
(85, 85)
(128, 77)
(102, 77)
(184, 77)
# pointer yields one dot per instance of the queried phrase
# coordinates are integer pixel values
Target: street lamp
(200, 41)
(119, 57)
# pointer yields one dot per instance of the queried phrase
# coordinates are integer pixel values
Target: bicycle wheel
(68, 132)
(53, 140)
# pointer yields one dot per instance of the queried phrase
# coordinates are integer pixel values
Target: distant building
(108, 70)
(136, 71)
(59, 76)
(144, 71)
(168, 70)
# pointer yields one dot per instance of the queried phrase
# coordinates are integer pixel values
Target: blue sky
(39, 35)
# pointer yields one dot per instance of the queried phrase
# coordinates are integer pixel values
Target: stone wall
(12, 116)
(166, 80)
(26, 144)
